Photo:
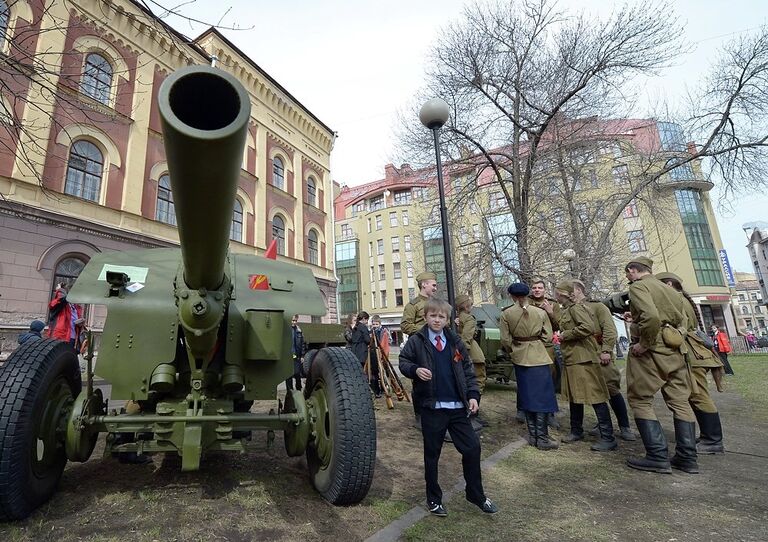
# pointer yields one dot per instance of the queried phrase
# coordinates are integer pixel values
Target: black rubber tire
(34, 371)
(349, 474)
(306, 363)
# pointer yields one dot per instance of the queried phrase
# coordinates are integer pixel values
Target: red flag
(271, 252)
(258, 282)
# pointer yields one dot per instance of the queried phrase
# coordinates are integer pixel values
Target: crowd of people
(669, 351)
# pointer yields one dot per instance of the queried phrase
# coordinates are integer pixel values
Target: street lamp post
(433, 115)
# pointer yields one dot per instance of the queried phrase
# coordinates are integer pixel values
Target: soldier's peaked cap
(647, 262)
(666, 275)
(520, 289)
(426, 275)
(565, 286)
(461, 299)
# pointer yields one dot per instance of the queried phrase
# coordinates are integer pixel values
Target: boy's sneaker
(437, 509)
(488, 507)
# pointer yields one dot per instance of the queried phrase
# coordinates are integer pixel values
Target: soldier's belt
(526, 339)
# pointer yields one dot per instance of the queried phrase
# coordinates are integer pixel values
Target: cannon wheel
(40, 381)
(342, 452)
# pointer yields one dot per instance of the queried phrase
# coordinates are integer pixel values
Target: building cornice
(74, 224)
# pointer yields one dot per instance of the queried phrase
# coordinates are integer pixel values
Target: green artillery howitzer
(192, 338)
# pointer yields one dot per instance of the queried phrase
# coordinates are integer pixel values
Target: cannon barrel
(204, 114)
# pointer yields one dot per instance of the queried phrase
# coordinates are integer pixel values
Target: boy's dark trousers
(434, 423)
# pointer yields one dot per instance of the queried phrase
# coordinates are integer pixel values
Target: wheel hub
(320, 420)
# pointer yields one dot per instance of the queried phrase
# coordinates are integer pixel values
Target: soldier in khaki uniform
(583, 383)
(702, 360)
(606, 341)
(525, 330)
(539, 299)
(466, 325)
(414, 319)
(656, 362)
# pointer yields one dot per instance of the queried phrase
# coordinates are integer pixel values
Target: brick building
(82, 164)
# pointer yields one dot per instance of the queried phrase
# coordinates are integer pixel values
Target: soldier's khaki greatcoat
(466, 328)
(606, 340)
(413, 315)
(533, 325)
(583, 382)
(702, 360)
(655, 305)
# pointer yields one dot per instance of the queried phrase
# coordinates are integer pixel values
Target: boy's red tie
(439, 344)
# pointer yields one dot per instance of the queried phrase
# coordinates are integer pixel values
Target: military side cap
(519, 289)
(647, 262)
(565, 286)
(461, 299)
(426, 275)
(666, 275)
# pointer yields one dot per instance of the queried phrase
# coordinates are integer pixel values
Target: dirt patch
(260, 495)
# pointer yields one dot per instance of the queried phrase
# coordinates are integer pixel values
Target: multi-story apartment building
(388, 230)
(749, 305)
(758, 253)
(82, 163)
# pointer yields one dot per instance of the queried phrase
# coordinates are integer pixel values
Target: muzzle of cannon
(204, 114)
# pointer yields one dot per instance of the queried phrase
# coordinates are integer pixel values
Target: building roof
(195, 45)
(260, 70)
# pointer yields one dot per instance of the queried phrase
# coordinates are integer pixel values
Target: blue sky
(355, 64)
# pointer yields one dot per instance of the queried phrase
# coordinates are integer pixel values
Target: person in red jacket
(722, 347)
(66, 318)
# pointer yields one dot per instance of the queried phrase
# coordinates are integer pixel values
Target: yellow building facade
(82, 164)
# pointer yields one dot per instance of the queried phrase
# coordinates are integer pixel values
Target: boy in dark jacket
(444, 380)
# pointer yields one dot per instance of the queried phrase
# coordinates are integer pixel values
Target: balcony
(679, 184)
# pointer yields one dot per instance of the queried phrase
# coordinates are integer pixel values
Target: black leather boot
(656, 454)
(685, 447)
(530, 422)
(607, 441)
(577, 424)
(711, 441)
(543, 442)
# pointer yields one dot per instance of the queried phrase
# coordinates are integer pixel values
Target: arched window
(236, 231)
(67, 270)
(312, 192)
(97, 78)
(4, 12)
(278, 173)
(312, 251)
(278, 232)
(84, 171)
(165, 211)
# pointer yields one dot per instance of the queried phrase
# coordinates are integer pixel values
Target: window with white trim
(97, 78)
(84, 170)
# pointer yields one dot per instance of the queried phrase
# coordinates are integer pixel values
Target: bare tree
(529, 85)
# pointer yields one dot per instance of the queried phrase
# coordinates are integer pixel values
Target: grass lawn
(575, 494)
(750, 381)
